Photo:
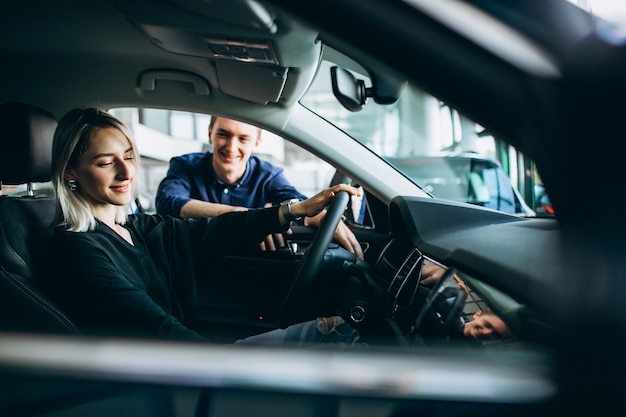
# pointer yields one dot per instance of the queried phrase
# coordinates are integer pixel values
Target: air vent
(244, 51)
(402, 288)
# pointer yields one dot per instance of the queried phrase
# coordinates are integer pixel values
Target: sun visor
(256, 83)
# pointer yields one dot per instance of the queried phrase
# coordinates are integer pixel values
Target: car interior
(548, 279)
(25, 222)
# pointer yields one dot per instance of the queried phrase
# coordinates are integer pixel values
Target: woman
(118, 273)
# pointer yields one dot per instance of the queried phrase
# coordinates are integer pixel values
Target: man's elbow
(166, 207)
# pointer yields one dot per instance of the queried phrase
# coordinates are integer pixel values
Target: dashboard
(471, 250)
(425, 299)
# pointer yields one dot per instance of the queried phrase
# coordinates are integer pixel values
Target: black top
(111, 287)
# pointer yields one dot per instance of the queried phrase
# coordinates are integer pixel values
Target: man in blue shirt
(231, 179)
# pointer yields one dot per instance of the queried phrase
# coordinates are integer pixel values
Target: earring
(72, 184)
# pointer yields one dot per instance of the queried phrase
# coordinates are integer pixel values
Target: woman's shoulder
(64, 233)
(64, 240)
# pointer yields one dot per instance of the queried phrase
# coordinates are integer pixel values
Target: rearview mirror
(348, 90)
(352, 93)
(386, 89)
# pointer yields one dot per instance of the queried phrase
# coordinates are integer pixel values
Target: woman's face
(106, 171)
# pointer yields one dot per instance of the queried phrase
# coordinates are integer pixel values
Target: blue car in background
(467, 177)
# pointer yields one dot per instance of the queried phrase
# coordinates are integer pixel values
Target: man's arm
(280, 189)
(343, 235)
(196, 209)
(175, 189)
(174, 195)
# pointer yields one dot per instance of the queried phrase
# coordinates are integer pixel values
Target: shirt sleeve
(175, 189)
(235, 232)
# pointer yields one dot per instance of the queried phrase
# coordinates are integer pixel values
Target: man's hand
(431, 274)
(313, 209)
(274, 241)
(343, 235)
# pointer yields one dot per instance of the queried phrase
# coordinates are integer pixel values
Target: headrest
(25, 143)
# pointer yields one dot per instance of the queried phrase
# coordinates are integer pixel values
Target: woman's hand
(314, 205)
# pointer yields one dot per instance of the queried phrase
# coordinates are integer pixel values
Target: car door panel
(247, 291)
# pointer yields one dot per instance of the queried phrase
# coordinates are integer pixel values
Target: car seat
(26, 221)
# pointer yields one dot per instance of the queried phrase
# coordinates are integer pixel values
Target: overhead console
(250, 51)
(246, 14)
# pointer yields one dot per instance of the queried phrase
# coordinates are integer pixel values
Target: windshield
(445, 153)
(611, 18)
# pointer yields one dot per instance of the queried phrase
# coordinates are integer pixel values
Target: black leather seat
(26, 221)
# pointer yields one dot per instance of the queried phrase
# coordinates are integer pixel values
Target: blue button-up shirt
(191, 176)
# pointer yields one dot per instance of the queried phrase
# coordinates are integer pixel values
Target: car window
(445, 153)
(162, 134)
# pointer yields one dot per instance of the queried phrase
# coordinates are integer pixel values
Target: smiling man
(231, 178)
(485, 325)
(227, 179)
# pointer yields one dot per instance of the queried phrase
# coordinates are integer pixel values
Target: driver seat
(26, 221)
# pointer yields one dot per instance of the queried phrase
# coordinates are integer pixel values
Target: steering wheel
(312, 260)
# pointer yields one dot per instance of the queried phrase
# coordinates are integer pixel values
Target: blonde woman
(135, 274)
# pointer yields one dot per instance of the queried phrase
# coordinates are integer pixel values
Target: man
(485, 325)
(230, 178)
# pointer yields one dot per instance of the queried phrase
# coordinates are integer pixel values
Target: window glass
(442, 151)
(182, 124)
(163, 134)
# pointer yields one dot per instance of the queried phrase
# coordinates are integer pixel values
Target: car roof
(126, 39)
(127, 44)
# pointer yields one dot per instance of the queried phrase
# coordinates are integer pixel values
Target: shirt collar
(215, 179)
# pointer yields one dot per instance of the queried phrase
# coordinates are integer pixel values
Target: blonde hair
(71, 140)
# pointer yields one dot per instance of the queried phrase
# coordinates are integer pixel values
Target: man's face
(486, 326)
(233, 142)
